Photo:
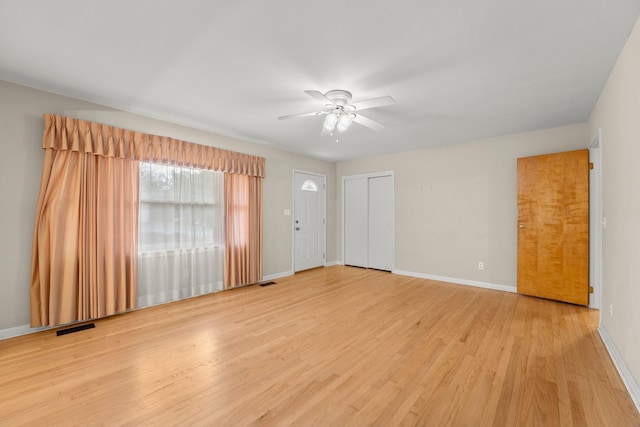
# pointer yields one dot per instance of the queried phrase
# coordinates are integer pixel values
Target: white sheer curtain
(181, 233)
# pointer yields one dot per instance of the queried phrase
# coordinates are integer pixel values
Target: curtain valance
(66, 133)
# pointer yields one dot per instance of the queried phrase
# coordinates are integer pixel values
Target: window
(181, 233)
(309, 185)
(179, 208)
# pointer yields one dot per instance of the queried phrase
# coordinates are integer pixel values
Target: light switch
(287, 212)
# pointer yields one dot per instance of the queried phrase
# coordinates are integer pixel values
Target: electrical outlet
(610, 310)
(480, 265)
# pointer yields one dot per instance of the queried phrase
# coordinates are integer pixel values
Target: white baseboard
(19, 330)
(456, 281)
(627, 378)
(276, 276)
(290, 273)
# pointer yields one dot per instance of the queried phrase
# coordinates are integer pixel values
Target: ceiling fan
(340, 112)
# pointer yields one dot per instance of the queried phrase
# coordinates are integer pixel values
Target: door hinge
(590, 166)
(590, 289)
(323, 221)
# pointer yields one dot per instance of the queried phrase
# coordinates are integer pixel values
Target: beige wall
(457, 205)
(617, 113)
(21, 127)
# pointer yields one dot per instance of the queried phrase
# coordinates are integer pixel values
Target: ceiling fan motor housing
(339, 97)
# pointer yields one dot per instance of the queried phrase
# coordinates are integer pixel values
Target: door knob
(297, 228)
(521, 226)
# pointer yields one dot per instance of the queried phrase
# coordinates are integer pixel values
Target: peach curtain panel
(84, 263)
(243, 250)
(84, 245)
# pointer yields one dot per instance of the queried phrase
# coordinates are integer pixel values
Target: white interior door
(356, 222)
(369, 221)
(308, 220)
(381, 244)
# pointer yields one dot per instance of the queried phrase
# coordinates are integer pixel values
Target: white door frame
(293, 216)
(393, 215)
(595, 221)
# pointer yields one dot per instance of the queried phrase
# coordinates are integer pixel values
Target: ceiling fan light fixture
(330, 121)
(344, 122)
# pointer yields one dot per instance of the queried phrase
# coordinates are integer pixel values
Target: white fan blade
(293, 116)
(373, 103)
(319, 96)
(366, 122)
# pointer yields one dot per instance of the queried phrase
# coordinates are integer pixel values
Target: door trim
(293, 215)
(393, 214)
(595, 221)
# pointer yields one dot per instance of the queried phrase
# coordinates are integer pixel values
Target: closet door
(380, 230)
(355, 222)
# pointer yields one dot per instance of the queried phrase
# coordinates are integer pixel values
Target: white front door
(308, 220)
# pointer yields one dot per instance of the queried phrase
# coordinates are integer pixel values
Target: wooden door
(553, 226)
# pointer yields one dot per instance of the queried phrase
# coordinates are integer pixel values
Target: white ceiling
(458, 70)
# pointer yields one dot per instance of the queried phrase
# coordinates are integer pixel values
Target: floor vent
(75, 329)
(267, 283)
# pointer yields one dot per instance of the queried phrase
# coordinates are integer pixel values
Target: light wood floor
(334, 346)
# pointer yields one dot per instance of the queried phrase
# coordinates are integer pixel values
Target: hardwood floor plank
(332, 346)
